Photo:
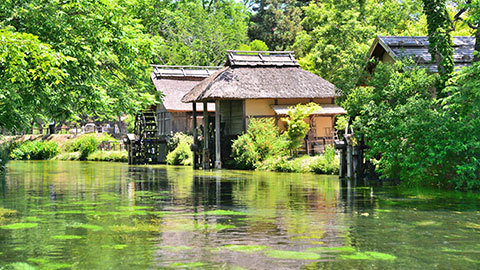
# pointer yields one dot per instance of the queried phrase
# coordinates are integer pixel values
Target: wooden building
(174, 82)
(388, 49)
(263, 84)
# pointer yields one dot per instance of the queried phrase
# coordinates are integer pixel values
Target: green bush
(297, 127)
(244, 153)
(34, 150)
(181, 154)
(323, 165)
(87, 144)
(261, 142)
(287, 164)
(175, 140)
(117, 156)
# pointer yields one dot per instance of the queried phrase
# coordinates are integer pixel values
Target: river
(98, 215)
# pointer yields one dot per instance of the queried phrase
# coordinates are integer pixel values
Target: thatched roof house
(393, 48)
(272, 75)
(263, 84)
(174, 82)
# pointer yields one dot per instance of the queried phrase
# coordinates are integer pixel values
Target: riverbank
(60, 147)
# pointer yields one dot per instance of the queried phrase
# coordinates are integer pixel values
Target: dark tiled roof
(417, 49)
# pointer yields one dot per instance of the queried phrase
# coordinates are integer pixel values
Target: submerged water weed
(292, 255)
(5, 214)
(176, 248)
(17, 226)
(188, 265)
(472, 225)
(245, 248)
(220, 212)
(91, 227)
(331, 249)
(369, 255)
(117, 247)
(67, 237)
(135, 228)
(33, 219)
(20, 266)
(428, 223)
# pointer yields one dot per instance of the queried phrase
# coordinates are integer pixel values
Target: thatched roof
(250, 75)
(417, 48)
(175, 81)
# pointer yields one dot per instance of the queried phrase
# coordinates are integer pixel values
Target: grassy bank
(58, 147)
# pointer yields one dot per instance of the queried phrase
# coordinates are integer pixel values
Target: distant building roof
(261, 58)
(175, 81)
(417, 48)
(256, 75)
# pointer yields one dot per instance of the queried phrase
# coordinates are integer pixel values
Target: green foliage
(181, 154)
(276, 22)
(31, 78)
(297, 127)
(261, 141)
(326, 163)
(440, 40)
(175, 140)
(256, 45)
(130, 122)
(337, 35)
(34, 150)
(193, 32)
(87, 144)
(72, 59)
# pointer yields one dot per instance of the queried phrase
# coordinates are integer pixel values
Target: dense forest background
(91, 58)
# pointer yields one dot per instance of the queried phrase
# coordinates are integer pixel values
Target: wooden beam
(218, 160)
(206, 135)
(194, 133)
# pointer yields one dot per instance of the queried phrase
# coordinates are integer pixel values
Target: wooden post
(218, 160)
(349, 160)
(206, 154)
(195, 139)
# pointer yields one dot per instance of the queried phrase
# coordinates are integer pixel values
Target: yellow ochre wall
(262, 107)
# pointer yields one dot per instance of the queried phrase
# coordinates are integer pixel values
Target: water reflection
(91, 215)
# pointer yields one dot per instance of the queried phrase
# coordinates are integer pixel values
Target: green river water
(94, 215)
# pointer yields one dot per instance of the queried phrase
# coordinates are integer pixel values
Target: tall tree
(440, 40)
(276, 22)
(338, 34)
(110, 55)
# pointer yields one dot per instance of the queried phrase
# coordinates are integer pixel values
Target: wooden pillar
(218, 159)
(206, 153)
(194, 133)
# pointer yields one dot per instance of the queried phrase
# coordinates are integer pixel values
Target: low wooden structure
(388, 49)
(154, 126)
(261, 84)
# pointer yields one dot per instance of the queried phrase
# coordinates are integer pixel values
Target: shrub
(245, 153)
(323, 165)
(87, 144)
(175, 140)
(261, 141)
(181, 154)
(287, 164)
(297, 127)
(34, 150)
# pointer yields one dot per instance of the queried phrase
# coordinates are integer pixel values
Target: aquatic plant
(369, 255)
(331, 249)
(245, 248)
(67, 237)
(293, 255)
(176, 248)
(136, 228)
(188, 265)
(17, 226)
(87, 226)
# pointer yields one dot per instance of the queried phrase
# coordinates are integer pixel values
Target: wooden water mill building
(154, 125)
(255, 85)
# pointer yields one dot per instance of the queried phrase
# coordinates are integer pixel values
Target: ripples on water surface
(86, 215)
